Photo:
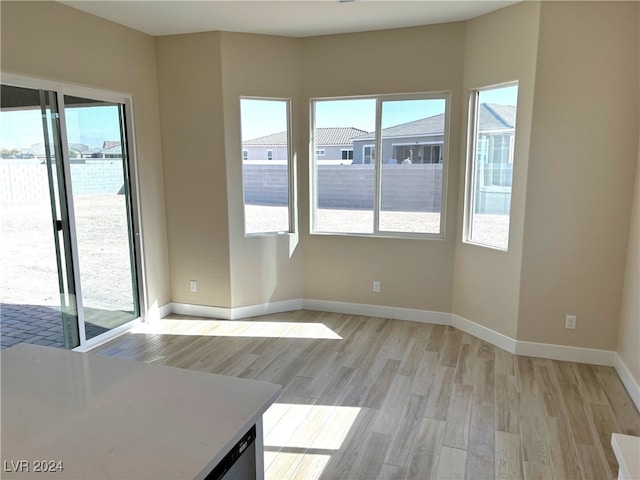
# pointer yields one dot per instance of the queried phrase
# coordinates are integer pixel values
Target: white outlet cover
(570, 322)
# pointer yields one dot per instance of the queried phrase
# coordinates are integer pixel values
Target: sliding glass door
(68, 253)
(96, 134)
(38, 288)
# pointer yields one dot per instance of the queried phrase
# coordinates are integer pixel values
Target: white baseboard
(221, 313)
(533, 349)
(235, 313)
(266, 309)
(484, 333)
(566, 353)
(628, 381)
(422, 316)
(154, 312)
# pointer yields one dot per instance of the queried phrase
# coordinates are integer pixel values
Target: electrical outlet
(570, 322)
(376, 286)
(194, 286)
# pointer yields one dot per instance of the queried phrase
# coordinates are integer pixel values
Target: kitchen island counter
(100, 417)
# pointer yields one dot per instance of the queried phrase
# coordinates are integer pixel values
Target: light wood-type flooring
(368, 398)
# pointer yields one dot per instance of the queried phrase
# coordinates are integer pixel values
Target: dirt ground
(488, 229)
(28, 256)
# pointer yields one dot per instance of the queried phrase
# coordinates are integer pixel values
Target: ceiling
(294, 18)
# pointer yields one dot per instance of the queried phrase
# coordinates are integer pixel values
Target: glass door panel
(102, 211)
(38, 303)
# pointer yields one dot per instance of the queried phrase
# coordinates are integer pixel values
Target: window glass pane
(265, 165)
(413, 139)
(344, 174)
(490, 198)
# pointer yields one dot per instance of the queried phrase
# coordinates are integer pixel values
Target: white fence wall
(24, 180)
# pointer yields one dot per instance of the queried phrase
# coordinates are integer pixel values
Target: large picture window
(266, 160)
(492, 118)
(391, 180)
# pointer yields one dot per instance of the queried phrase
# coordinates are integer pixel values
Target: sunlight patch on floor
(235, 328)
(301, 438)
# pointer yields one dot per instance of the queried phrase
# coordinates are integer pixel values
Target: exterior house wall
(389, 142)
(260, 153)
(332, 152)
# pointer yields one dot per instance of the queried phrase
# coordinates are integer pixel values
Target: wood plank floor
(367, 398)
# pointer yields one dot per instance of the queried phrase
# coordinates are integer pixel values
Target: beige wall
(572, 189)
(413, 273)
(51, 41)
(500, 47)
(582, 163)
(263, 268)
(629, 335)
(191, 107)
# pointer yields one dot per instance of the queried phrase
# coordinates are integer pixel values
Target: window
(320, 152)
(266, 185)
(492, 119)
(347, 154)
(369, 154)
(394, 182)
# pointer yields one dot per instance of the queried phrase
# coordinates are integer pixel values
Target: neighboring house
(335, 144)
(114, 151)
(332, 145)
(268, 147)
(421, 141)
(77, 150)
(496, 134)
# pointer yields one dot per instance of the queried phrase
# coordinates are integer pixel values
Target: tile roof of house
(115, 150)
(272, 140)
(425, 126)
(332, 136)
(492, 117)
(495, 116)
(336, 136)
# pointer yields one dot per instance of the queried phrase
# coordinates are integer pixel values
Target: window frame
(377, 163)
(291, 176)
(470, 167)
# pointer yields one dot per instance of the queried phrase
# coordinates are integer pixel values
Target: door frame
(61, 89)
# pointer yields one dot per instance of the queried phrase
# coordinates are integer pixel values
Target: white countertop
(105, 417)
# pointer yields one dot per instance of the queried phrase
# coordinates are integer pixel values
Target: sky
(90, 126)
